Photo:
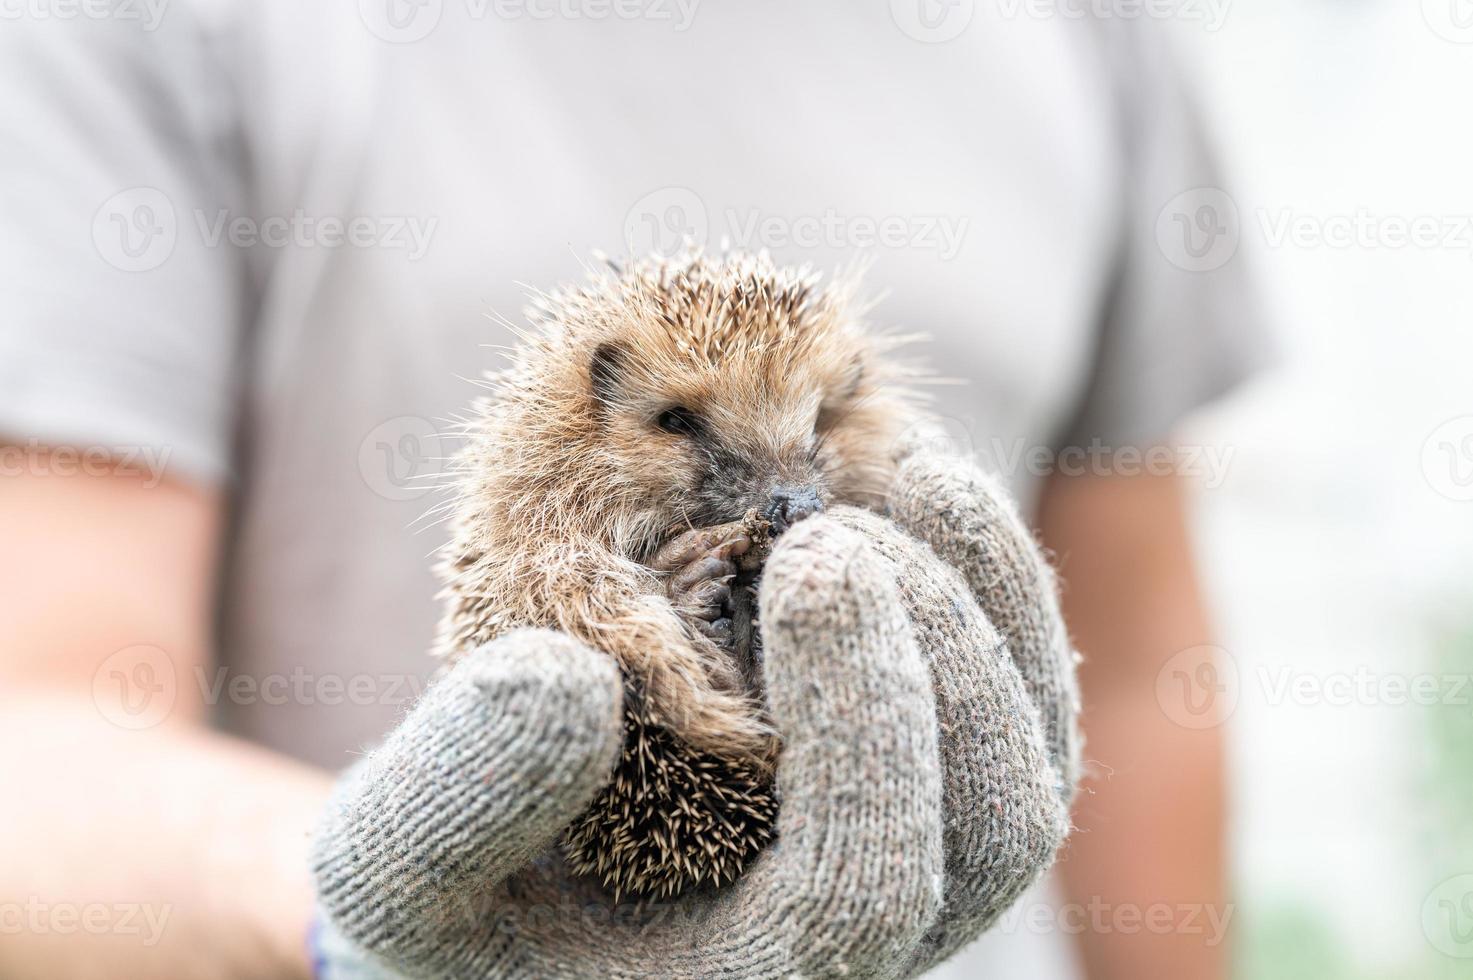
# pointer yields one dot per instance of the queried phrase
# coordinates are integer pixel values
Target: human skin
(99, 563)
(188, 848)
(1150, 813)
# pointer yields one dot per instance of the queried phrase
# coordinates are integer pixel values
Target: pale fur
(559, 499)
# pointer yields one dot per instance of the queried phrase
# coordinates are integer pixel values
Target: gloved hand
(928, 763)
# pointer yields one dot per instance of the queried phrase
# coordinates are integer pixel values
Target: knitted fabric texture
(930, 750)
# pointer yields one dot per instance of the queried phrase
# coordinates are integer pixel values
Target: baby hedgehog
(656, 427)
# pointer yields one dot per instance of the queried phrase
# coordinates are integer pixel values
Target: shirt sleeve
(1181, 323)
(120, 314)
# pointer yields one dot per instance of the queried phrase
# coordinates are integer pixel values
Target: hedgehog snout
(789, 505)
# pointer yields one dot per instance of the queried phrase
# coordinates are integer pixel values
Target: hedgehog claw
(719, 630)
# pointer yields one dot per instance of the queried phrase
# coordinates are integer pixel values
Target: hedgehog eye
(679, 421)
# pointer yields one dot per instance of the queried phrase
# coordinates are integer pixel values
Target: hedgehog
(654, 430)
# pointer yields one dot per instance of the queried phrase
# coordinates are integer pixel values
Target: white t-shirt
(256, 241)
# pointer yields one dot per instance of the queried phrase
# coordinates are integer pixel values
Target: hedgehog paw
(701, 565)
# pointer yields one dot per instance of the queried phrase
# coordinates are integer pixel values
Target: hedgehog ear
(607, 372)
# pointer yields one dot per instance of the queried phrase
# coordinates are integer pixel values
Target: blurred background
(1334, 503)
(1339, 548)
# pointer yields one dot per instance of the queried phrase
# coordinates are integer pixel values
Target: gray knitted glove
(922, 787)
(996, 787)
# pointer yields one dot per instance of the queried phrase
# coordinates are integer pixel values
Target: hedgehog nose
(789, 505)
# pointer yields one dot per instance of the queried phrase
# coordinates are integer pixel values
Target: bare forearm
(1147, 864)
(133, 841)
(168, 852)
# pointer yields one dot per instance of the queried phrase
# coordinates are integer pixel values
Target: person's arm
(1150, 821)
(133, 841)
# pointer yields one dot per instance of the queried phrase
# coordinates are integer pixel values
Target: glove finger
(970, 522)
(856, 870)
(1004, 815)
(478, 781)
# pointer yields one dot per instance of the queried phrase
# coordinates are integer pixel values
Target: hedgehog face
(703, 439)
